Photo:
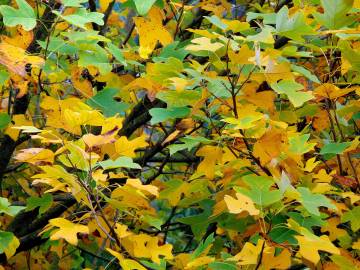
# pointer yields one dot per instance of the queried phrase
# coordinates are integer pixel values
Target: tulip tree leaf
(159, 114)
(259, 190)
(43, 203)
(104, 101)
(121, 162)
(312, 201)
(8, 243)
(82, 17)
(24, 16)
(8, 209)
(292, 90)
(334, 148)
(293, 27)
(353, 216)
(143, 7)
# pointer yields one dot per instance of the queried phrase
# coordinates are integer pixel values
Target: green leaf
(312, 202)
(24, 16)
(265, 36)
(159, 114)
(104, 101)
(57, 44)
(7, 209)
(143, 6)
(293, 27)
(299, 145)
(291, 89)
(216, 21)
(202, 246)
(153, 221)
(117, 53)
(354, 217)
(121, 162)
(268, 18)
(307, 74)
(8, 243)
(282, 234)
(307, 221)
(222, 266)
(179, 98)
(343, 262)
(73, 3)
(171, 50)
(187, 143)
(334, 148)
(335, 13)
(43, 203)
(82, 17)
(200, 222)
(259, 191)
(86, 37)
(5, 120)
(4, 76)
(94, 55)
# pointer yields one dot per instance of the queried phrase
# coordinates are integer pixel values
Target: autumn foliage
(177, 134)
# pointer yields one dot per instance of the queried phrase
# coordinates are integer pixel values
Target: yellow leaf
(236, 25)
(67, 230)
(311, 164)
(15, 58)
(331, 227)
(145, 246)
(128, 197)
(212, 155)
(35, 156)
(356, 245)
(275, 72)
(242, 56)
(121, 230)
(57, 177)
(126, 264)
(265, 149)
(19, 38)
(151, 30)
(203, 44)
(323, 177)
(353, 197)
(179, 83)
(92, 140)
(136, 183)
(76, 157)
(263, 99)
(281, 261)
(69, 114)
(249, 253)
(10, 245)
(125, 147)
(248, 117)
(194, 264)
(311, 244)
(240, 204)
(203, 32)
(82, 85)
(328, 90)
(49, 136)
(19, 120)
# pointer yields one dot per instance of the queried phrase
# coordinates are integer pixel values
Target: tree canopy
(179, 134)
